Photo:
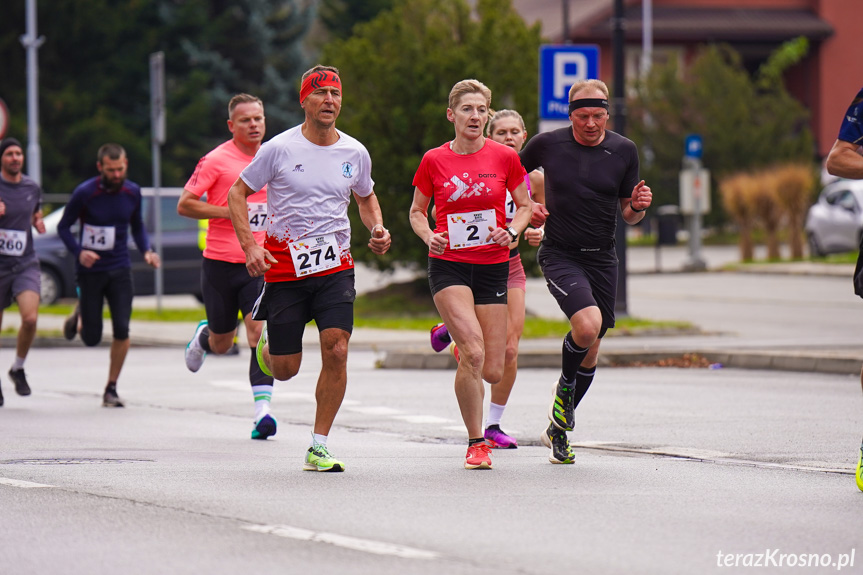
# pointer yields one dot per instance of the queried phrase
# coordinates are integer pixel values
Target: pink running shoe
(440, 337)
(498, 439)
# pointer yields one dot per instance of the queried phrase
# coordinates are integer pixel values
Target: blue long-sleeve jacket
(98, 211)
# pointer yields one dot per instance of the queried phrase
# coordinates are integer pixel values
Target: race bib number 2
(315, 254)
(12, 242)
(469, 229)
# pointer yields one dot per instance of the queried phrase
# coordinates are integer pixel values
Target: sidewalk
(406, 349)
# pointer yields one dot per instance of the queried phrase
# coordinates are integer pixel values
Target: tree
(397, 71)
(94, 77)
(340, 16)
(745, 123)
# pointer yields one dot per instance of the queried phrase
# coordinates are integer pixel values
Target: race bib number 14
(100, 238)
(469, 229)
(315, 254)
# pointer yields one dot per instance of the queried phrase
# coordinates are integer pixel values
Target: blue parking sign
(560, 66)
(693, 147)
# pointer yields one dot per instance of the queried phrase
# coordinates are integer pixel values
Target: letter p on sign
(569, 68)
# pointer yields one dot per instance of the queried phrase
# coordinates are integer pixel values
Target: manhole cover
(71, 461)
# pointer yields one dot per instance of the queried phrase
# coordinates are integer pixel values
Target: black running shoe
(111, 399)
(21, 387)
(70, 326)
(1, 398)
(561, 412)
(556, 440)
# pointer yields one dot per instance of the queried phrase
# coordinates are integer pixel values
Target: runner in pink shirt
(225, 283)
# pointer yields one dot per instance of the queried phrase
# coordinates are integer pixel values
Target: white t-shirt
(308, 191)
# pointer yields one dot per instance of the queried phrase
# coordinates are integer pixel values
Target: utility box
(667, 225)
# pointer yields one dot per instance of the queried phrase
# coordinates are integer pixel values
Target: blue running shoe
(265, 427)
(440, 337)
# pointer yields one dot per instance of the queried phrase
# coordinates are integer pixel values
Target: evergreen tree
(94, 77)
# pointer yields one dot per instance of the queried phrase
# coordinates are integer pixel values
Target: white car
(835, 222)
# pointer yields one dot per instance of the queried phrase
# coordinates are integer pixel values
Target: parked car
(181, 257)
(835, 222)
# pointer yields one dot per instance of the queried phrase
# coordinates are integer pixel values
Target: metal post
(620, 306)
(696, 261)
(157, 119)
(31, 43)
(646, 37)
(566, 38)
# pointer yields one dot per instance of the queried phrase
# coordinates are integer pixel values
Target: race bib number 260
(12, 242)
(315, 254)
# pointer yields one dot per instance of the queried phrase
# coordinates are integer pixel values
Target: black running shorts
(486, 281)
(577, 284)
(228, 289)
(289, 306)
(115, 286)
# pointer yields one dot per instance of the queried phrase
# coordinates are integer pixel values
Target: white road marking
(21, 484)
(373, 410)
(422, 419)
(229, 383)
(364, 545)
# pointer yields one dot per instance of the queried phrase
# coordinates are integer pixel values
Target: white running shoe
(195, 354)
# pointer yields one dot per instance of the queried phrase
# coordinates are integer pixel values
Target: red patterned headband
(317, 80)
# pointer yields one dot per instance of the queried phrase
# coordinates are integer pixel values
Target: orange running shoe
(478, 456)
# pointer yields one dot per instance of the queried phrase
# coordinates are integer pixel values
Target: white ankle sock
(19, 363)
(495, 413)
(263, 394)
(318, 440)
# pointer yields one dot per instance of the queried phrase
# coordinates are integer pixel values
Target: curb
(847, 364)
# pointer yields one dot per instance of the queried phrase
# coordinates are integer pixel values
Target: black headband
(588, 103)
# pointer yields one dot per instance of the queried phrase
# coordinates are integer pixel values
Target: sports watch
(512, 233)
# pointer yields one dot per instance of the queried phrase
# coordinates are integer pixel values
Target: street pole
(620, 305)
(31, 44)
(157, 121)
(566, 39)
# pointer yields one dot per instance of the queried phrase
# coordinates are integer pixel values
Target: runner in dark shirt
(590, 174)
(105, 207)
(20, 208)
(846, 161)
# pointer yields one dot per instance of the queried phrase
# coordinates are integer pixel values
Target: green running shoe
(561, 412)
(859, 474)
(259, 352)
(319, 459)
(556, 440)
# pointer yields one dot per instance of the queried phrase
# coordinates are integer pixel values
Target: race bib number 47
(315, 254)
(258, 217)
(469, 229)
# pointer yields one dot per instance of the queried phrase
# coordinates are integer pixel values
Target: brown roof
(674, 23)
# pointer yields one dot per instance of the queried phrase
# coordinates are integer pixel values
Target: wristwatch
(512, 233)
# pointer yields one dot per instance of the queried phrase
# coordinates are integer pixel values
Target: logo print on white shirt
(347, 170)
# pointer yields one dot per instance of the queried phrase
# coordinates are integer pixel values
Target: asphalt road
(675, 466)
